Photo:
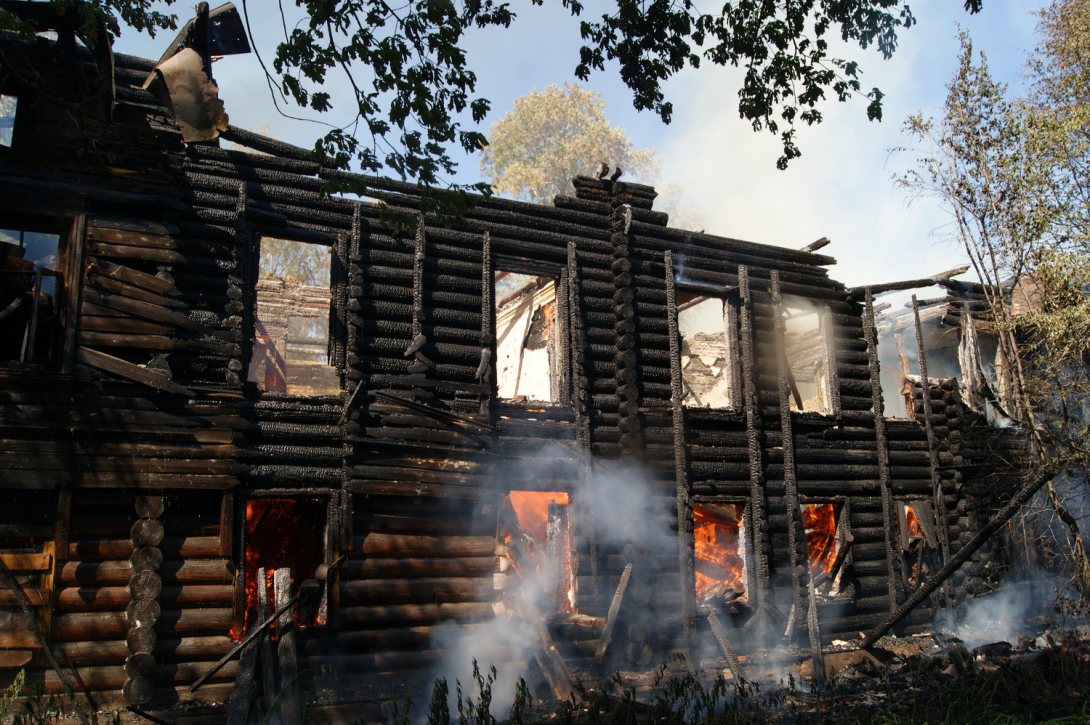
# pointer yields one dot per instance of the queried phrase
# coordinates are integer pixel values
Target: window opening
(528, 344)
(31, 282)
(8, 106)
(919, 542)
(291, 345)
(283, 532)
(825, 546)
(805, 346)
(708, 359)
(718, 536)
(540, 544)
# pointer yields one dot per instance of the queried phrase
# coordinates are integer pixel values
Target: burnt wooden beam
(611, 617)
(816, 245)
(291, 709)
(1024, 494)
(685, 555)
(795, 543)
(121, 368)
(719, 632)
(832, 367)
(486, 370)
(581, 403)
(932, 441)
(889, 522)
(757, 505)
(877, 289)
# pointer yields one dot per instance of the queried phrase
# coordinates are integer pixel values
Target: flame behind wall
(717, 533)
(819, 523)
(281, 532)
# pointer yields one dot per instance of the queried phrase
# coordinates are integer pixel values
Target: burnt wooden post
(790, 484)
(932, 445)
(685, 555)
(241, 290)
(832, 375)
(624, 308)
(758, 513)
(889, 522)
(486, 370)
(577, 336)
(796, 544)
(421, 363)
(268, 661)
(143, 610)
(290, 708)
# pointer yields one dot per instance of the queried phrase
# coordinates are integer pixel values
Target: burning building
(229, 398)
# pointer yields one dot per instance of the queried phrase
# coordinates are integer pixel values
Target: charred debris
(236, 409)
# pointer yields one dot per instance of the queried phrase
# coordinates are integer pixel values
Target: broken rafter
(877, 289)
(816, 245)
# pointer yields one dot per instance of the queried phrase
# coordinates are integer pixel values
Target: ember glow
(281, 532)
(717, 535)
(819, 528)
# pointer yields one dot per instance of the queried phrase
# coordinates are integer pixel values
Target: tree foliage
(414, 93)
(551, 136)
(1011, 172)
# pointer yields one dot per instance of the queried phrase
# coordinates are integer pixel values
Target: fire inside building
(261, 440)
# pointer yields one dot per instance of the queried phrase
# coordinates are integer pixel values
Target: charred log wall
(415, 455)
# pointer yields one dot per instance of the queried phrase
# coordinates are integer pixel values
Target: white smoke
(1020, 607)
(626, 511)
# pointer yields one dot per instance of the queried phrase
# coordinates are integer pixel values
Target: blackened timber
(486, 370)
(932, 443)
(893, 560)
(799, 571)
(626, 356)
(611, 617)
(1024, 494)
(686, 564)
(758, 516)
(581, 404)
(119, 367)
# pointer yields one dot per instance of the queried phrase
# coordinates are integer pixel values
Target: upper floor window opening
(528, 338)
(31, 288)
(806, 348)
(292, 345)
(8, 107)
(708, 327)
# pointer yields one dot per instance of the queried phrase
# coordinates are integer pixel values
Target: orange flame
(819, 529)
(532, 510)
(911, 522)
(280, 532)
(717, 533)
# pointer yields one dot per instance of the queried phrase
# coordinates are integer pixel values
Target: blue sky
(840, 188)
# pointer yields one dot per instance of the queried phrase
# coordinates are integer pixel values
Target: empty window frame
(828, 545)
(8, 107)
(292, 347)
(529, 342)
(710, 374)
(719, 536)
(31, 289)
(538, 536)
(807, 351)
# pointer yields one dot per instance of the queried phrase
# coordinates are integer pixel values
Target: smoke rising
(631, 518)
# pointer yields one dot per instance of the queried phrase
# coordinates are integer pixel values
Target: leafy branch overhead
(414, 90)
